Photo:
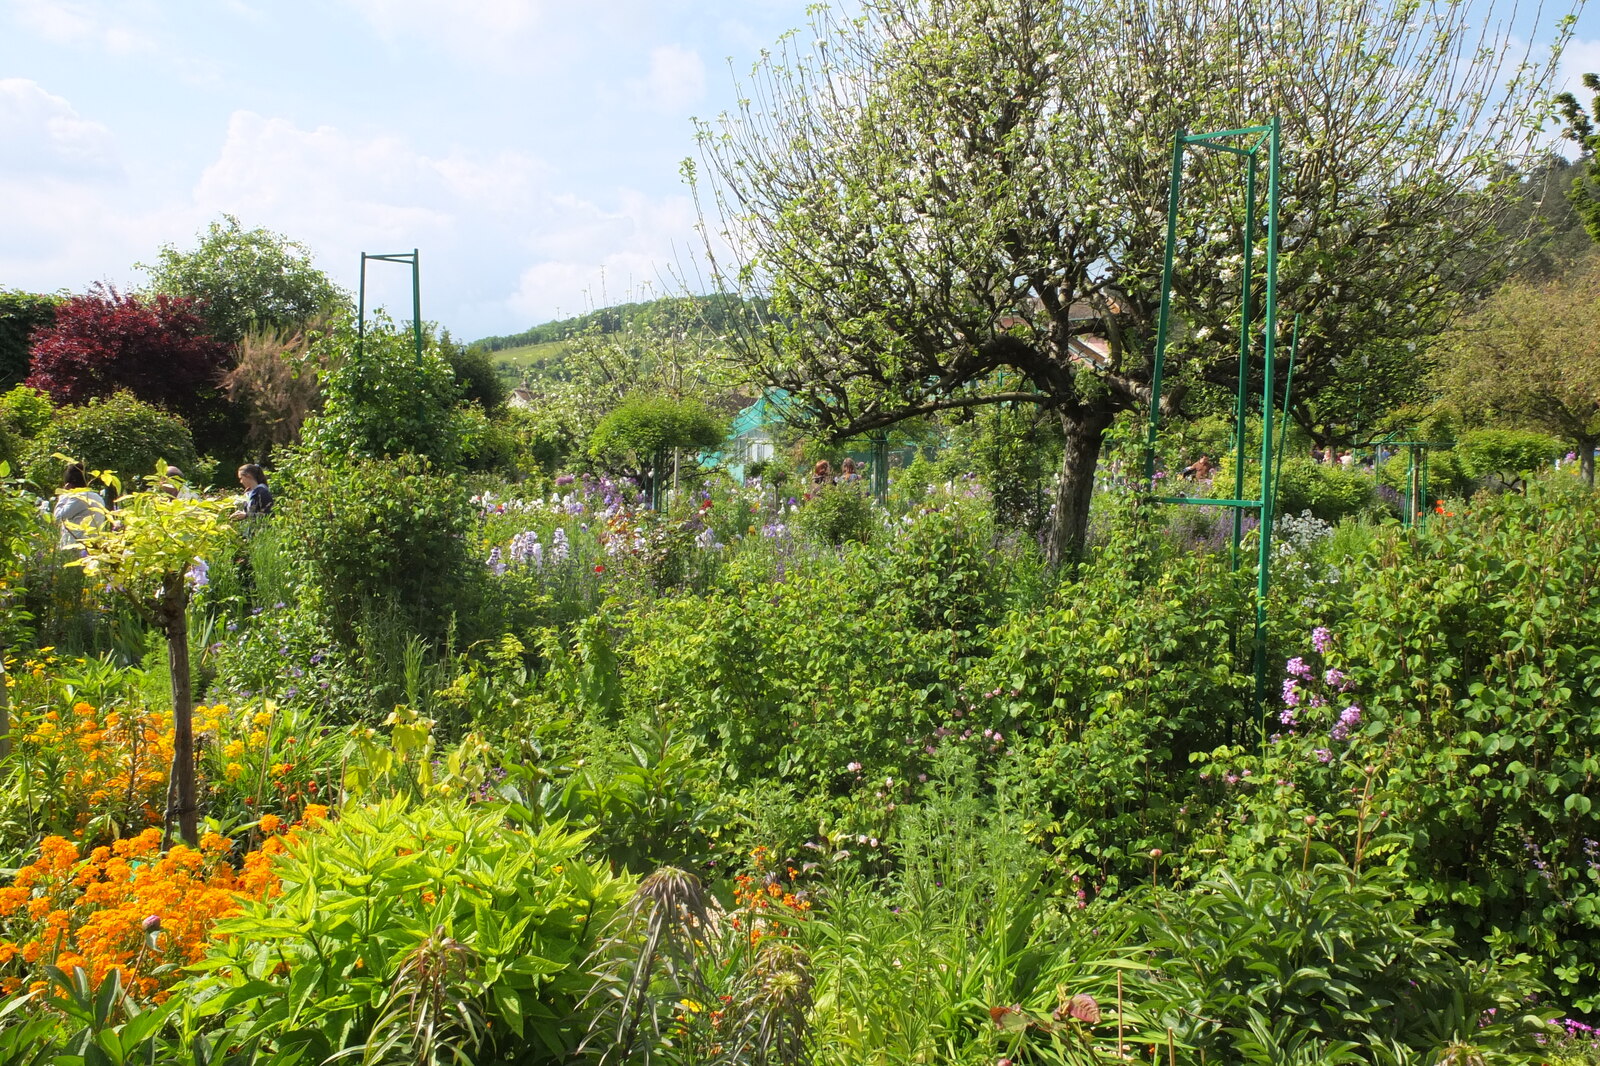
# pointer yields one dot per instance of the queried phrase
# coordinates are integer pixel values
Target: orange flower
(270, 823)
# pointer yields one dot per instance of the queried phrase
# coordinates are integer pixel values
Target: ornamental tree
(158, 349)
(1531, 357)
(153, 555)
(636, 437)
(940, 201)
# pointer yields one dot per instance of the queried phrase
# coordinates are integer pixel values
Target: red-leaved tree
(158, 349)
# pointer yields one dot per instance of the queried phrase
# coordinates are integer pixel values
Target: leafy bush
(21, 315)
(834, 514)
(120, 433)
(419, 931)
(387, 403)
(381, 534)
(1505, 456)
(1312, 966)
(1329, 492)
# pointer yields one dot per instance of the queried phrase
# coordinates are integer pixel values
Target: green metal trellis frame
(1270, 137)
(410, 258)
(1414, 500)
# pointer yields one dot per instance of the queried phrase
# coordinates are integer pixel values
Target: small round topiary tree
(637, 438)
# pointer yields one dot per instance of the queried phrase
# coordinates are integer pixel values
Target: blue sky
(528, 148)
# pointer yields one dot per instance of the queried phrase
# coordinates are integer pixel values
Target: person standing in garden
(257, 497)
(77, 509)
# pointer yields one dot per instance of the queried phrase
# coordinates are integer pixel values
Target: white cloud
(474, 29)
(675, 81)
(106, 26)
(44, 134)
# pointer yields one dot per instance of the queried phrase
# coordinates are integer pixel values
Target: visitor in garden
(257, 497)
(1201, 469)
(848, 472)
(821, 474)
(77, 509)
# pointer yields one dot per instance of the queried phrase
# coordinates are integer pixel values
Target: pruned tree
(955, 203)
(1531, 357)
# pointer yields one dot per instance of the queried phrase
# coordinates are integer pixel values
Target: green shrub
(415, 931)
(1325, 965)
(1505, 456)
(388, 402)
(119, 433)
(838, 513)
(26, 412)
(382, 534)
(1329, 492)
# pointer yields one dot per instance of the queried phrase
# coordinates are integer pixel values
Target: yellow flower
(233, 771)
(258, 739)
(233, 749)
(262, 718)
(270, 823)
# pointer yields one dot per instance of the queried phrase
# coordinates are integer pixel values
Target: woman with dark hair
(78, 508)
(257, 497)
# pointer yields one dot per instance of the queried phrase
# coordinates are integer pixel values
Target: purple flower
(1324, 755)
(1321, 639)
(565, 479)
(1297, 668)
(1291, 692)
(1289, 717)
(1336, 678)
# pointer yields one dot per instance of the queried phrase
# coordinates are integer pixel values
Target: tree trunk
(1586, 461)
(175, 620)
(1069, 530)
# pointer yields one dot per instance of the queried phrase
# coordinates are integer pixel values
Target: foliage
(380, 533)
(246, 281)
(636, 434)
(1579, 127)
(1531, 355)
(1257, 967)
(121, 434)
(277, 382)
(834, 514)
(898, 188)
(387, 403)
(1504, 455)
(938, 965)
(157, 349)
(332, 963)
(1328, 491)
(474, 375)
(26, 412)
(21, 314)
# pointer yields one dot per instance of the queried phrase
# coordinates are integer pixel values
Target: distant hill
(675, 314)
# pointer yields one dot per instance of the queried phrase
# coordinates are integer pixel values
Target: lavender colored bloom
(199, 574)
(558, 546)
(1324, 755)
(1289, 717)
(496, 564)
(1297, 668)
(565, 479)
(1336, 678)
(1291, 692)
(1351, 716)
(1321, 639)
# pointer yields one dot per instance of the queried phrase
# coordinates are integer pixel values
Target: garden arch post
(1266, 138)
(409, 258)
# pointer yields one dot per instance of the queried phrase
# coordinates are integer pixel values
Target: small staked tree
(938, 201)
(1531, 356)
(153, 555)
